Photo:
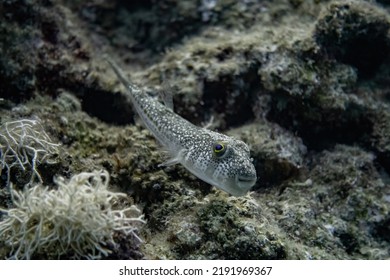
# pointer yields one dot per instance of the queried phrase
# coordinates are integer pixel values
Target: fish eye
(219, 148)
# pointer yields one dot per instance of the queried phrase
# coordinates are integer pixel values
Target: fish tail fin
(121, 76)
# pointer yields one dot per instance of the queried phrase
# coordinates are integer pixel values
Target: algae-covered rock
(357, 193)
(216, 227)
(278, 155)
(381, 137)
(238, 231)
(340, 207)
(356, 33)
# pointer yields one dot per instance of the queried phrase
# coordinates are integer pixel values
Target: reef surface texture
(305, 83)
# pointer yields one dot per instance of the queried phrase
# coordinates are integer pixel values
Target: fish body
(215, 158)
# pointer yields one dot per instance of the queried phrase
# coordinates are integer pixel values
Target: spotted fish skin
(215, 158)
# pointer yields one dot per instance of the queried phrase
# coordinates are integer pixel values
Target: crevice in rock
(321, 129)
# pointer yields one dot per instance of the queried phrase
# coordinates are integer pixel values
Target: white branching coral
(24, 144)
(76, 220)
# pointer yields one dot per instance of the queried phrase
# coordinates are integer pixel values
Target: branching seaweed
(24, 144)
(77, 220)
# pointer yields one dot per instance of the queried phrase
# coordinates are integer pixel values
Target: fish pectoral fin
(173, 160)
(169, 162)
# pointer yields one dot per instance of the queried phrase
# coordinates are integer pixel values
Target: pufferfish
(213, 157)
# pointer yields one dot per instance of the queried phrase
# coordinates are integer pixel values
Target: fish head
(233, 169)
(225, 163)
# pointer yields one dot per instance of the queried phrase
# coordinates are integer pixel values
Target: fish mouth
(246, 182)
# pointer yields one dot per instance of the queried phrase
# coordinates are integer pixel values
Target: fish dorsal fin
(166, 94)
